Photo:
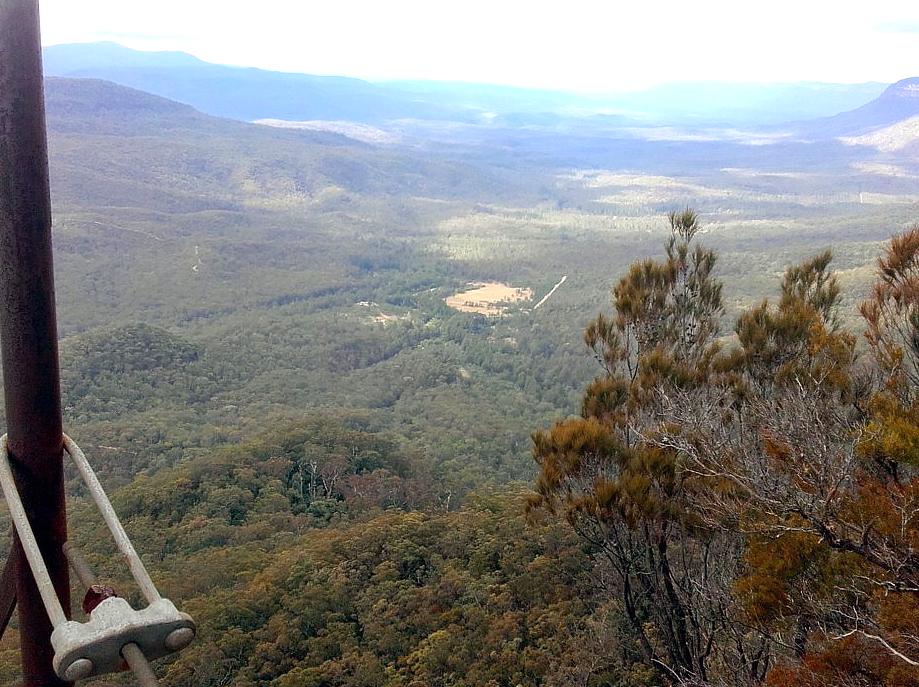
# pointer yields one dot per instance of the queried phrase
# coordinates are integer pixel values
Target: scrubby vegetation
(751, 502)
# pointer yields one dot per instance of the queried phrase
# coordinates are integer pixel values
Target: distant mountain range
(897, 103)
(236, 92)
(115, 146)
(252, 94)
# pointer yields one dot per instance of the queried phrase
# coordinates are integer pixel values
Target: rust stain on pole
(28, 328)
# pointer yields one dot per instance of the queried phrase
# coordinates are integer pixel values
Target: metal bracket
(115, 630)
(112, 625)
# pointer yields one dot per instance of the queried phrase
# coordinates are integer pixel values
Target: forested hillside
(324, 445)
(724, 511)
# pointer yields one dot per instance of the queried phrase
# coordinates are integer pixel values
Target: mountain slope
(235, 92)
(59, 60)
(153, 152)
(93, 106)
(890, 139)
(896, 104)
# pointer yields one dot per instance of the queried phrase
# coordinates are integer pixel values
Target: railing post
(28, 328)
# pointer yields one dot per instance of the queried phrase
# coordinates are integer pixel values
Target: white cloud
(575, 44)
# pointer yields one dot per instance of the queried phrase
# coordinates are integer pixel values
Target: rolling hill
(169, 153)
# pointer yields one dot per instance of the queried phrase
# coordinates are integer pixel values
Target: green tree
(626, 493)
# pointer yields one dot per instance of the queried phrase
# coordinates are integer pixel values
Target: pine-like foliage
(752, 500)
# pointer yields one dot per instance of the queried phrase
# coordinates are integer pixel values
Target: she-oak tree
(753, 499)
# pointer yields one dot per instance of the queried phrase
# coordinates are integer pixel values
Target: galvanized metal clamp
(116, 635)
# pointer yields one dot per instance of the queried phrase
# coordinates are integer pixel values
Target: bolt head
(78, 670)
(179, 639)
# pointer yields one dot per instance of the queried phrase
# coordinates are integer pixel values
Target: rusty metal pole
(28, 327)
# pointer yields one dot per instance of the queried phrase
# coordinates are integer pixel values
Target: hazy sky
(573, 44)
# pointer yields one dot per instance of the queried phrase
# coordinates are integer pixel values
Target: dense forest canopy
(729, 508)
(327, 455)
